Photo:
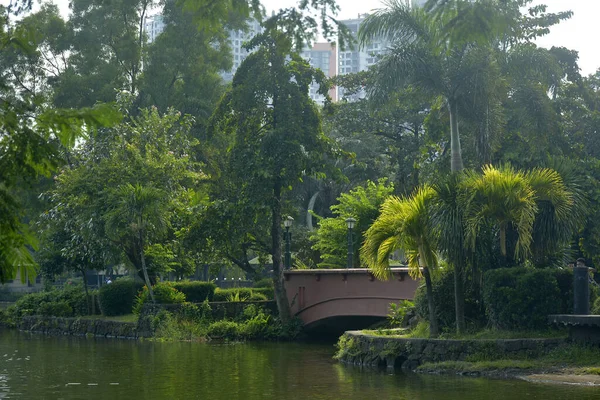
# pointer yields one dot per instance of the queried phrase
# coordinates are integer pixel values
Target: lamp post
(350, 222)
(287, 236)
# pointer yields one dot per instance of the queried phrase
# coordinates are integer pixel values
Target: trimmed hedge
(521, 298)
(443, 297)
(68, 302)
(195, 291)
(117, 298)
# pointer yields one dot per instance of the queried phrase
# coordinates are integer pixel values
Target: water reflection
(77, 368)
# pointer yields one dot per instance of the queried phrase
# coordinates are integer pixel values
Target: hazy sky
(580, 33)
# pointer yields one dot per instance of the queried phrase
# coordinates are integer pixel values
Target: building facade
(322, 56)
(361, 57)
(153, 26)
(236, 41)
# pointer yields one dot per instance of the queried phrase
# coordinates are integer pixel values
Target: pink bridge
(336, 300)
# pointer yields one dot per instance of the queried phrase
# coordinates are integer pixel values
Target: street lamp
(287, 236)
(350, 222)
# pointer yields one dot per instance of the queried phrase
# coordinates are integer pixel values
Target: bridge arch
(352, 298)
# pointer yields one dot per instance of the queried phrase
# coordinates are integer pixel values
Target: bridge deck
(319, 294)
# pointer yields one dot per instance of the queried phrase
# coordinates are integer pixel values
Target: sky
(581, 32)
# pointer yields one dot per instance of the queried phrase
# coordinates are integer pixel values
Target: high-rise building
(362, 56)
(153, 26)
(236, 41)
(323, 57)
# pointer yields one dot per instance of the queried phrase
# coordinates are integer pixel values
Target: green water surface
(39, 367)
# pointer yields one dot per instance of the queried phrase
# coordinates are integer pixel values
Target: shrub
(257, 325)
(117, 298)
(242, 294)
(68, 302)
(264, 283)
(269, 292)
(223, 330)
(564, 281)
(56, 309)
(398, 312)
(520, 298)
(443, 297)
(257, 297)
(195, 291)
(164, 293)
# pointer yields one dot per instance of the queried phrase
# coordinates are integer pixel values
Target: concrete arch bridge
(336, 300)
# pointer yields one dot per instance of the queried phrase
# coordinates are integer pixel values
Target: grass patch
(580, 360)
(119, 318)
(588, 371)
(498, 334)
(421, 331)
(573, 355)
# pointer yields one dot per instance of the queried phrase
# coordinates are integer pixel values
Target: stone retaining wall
(80, 327)
(368, 350)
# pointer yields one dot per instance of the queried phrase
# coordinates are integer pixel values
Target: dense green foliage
(164, 293)
(443, 294)
(68, 302)
(118, 297)
(194, 171)
(244, 294)
(518, 298)
(362, 203)
(193, 322)
(195, 291)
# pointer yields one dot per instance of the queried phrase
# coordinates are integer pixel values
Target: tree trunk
(433, 325)
(144, 269)
(415, 181)
(503, 242)
(87, 294)
(283, 306)
(311, 206)
(456, 164)
(459, 298)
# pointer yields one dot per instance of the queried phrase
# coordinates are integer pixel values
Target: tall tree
(274, 133)
(130, 192)
(422, 56)
(31, 139)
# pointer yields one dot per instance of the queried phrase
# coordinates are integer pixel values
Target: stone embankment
(363, 349)
(81, 327)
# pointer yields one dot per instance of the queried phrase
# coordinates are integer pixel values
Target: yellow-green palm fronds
(502, 195)
(404, 223)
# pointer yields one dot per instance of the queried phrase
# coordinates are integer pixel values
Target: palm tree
(404, 224)
(448, 219)
(423, 55)
(560, 211)
(139, 213)
(501, 196)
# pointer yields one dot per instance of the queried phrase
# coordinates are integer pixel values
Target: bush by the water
(243, 294)
(443, 297)
(68, 302)
(193, 322)
(118, 298)
(164, 293)
(521, 298)
(196, 291)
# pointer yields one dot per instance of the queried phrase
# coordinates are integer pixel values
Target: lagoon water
(40, 367)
